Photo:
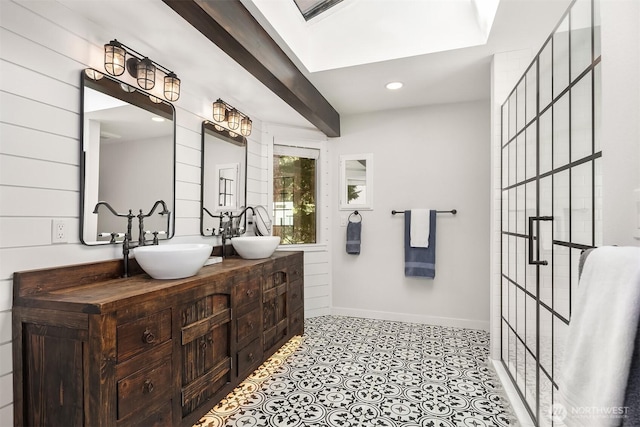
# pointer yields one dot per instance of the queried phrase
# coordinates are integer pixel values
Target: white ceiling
(356, 32)
(207, 73)
(443, 76)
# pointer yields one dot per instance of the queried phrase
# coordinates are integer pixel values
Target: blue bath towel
(420, 262)
(353, 237)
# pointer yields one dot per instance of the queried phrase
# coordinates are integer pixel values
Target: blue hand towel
(420, 262)
(353, 237)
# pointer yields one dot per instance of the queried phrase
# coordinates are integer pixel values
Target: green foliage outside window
(352, 192)
(294, 195)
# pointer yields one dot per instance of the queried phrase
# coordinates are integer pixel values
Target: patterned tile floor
(349, 372)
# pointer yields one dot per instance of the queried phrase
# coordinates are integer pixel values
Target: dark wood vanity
(93, 349)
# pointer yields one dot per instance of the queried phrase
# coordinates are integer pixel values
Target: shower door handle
(532, 219)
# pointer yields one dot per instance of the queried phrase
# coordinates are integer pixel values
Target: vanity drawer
(141, 334)
(145, 389)
(296, 271)
(246, 291)
(248, 327)
(249, 357)
(296, 295)
(161, 418)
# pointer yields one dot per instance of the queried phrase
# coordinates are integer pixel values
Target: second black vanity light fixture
(224, 113)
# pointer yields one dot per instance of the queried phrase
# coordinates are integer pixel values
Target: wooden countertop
(97, 287)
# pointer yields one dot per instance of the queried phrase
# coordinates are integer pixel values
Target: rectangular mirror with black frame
(224, 175)
(127, 159)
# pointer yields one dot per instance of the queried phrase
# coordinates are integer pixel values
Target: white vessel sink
(172, 261)
(255, 247)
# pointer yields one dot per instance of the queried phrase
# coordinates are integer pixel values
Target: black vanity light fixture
(234, 119)
(141, 68)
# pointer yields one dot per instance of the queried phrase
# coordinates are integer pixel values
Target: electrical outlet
(58, 231)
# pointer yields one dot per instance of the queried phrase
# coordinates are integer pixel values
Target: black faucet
(129, 215)
(226, 227)
(141, 217)
(126, 243)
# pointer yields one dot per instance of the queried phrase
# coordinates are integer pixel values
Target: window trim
(307, 141)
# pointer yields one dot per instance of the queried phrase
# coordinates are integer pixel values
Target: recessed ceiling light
(157, 119)
(394, 85)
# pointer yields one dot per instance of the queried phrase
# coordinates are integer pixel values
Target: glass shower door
(551, 202)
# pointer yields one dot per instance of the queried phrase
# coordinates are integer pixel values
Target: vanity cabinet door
(52, 388)
(206, 351)
(274, 310)
(295, 268)
(296, 304)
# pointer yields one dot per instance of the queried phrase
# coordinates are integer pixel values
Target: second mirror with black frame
(224, 176)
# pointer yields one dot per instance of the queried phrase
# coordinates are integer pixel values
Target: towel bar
(452, 211)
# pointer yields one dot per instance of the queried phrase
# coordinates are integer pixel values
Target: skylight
(311, 8)
(366, 31)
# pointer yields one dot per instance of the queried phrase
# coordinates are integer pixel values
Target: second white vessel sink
(255, 247)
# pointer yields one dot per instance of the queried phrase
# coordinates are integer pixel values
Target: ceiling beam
(233, 29)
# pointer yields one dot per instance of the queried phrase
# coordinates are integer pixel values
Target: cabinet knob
(251, 325)
(250, 293)
(203, 344)
(148, 336)
(148, 386)
(250, 357)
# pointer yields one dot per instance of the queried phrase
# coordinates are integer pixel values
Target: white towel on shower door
(600, 337)
(420, 228)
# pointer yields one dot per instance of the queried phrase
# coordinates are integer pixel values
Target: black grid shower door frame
(519, 119)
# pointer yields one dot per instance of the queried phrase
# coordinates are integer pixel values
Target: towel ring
(355, 213)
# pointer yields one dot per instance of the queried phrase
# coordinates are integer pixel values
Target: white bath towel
(600, 338)
(420, 228)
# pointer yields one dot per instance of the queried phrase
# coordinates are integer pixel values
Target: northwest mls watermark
(558, 412)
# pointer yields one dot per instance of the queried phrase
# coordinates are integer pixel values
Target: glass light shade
(114, 58)
(155, 99)
(219, 110)
(146, 74)
(218, 128)
(127, 88)
(234, 119)
(171, 87)
(93, 74)
(232, 134)
(245, 126)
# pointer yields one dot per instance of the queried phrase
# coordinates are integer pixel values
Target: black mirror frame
(139, 98)
(210, 128)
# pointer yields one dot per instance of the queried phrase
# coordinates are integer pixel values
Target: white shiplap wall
(43, 49)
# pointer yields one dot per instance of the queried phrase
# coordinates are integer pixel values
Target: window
(294, 194)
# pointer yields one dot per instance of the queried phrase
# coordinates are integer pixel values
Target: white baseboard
(516, 403)
(412, 318)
